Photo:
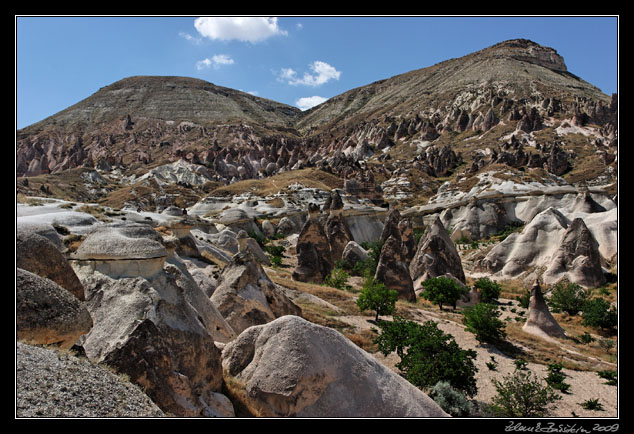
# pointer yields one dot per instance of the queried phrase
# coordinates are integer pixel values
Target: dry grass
(312, 178)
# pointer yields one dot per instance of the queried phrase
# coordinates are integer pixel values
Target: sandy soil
(583, 385)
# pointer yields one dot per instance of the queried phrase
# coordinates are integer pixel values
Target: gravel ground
(52, 383)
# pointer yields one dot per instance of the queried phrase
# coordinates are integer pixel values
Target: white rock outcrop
(291, 367)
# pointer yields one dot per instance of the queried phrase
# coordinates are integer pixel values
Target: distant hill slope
(518, 68)
(171, 99)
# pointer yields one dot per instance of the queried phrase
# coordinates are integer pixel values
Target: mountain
(514, 104)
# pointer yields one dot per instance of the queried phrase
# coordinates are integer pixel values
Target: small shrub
(521, 394)
(586, 338)
(492, 365)
(524, 299)
(611, 376)
(520, 364)
(555, 378)
(592, 404)
(377, 297)
(483, 321)
(338, 278)
(452, 401)
(276, 260)
(489, 289)
(607, 344)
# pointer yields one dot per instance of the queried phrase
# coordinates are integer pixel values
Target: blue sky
(296, 60)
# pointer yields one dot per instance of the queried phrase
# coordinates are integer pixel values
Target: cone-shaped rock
(436, 255)
(314, 261)
(540, 321)
(393, 271)
(577, 258)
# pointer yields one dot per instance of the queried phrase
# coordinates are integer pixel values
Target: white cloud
(216, 61)
(190, 38)
(246, 29)
(309, 102)
(322, 73)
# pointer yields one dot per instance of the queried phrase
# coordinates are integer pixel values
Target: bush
(521, 394)
(489, 289)
(377, 297)
(338, 278)
(452, 401)
(611, 376)
(555, 378)
(524, 299)
(483, 321)
(599, 313)
(567, 298)
(592, 404)
(428, 355)
(443, 290)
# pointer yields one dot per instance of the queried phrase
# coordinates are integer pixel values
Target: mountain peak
(527, 51)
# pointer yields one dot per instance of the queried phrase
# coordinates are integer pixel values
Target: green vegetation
(428, 355)
(452, 401)
(338, 278)
(522, 394)
(567, 297)
(611, 376)
(599, 313)
(489, 289)
(555, 378)
(443, 290)
(377, 297)
(592, 404)
(483, 321)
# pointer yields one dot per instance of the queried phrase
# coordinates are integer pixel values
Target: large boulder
(354, 253)
(122, 250)
(46, 313)
(245, 295)
(291, 367)
(577, 258)
(161, 332)
(39, 255)
(436, 255)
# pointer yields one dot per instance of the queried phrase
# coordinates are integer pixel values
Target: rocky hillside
(210, 247)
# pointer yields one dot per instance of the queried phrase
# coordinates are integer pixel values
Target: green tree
(483, 321)
(338, 278)
(451, 400)
(522, 394)
(428, 355)
(567, 297)
(443, 290)
(599, 313)
(489, 289)
(377, 297)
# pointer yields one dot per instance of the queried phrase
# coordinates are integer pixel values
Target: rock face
(48, 314)
(291, 367)
(314, 261)
(38, 255)
(392, 269)
(245, 295)
(123, 250)
(436, 255)
(161, 332)
(354, 253)
(337, 230)
(577, 258)
(540, 321)
(75, 388)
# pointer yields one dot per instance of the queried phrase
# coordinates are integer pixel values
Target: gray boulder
(39, 255)
(245, 296)
(354, 253)
(46, 313)
(291, 367)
